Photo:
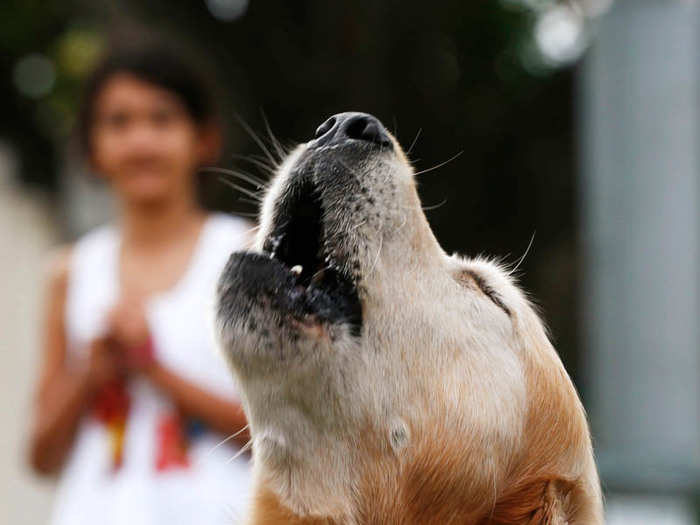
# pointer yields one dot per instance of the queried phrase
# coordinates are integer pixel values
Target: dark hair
(156, 63)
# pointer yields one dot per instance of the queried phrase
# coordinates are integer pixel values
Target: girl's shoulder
(61, 260)
(96, 243)
(92, 255)
(58, 263)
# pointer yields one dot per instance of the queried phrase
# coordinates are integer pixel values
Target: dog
(386, 382)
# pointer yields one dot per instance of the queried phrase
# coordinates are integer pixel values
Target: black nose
(350, 125)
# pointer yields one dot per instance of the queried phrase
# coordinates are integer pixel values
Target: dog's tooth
(297, 269)
(318, 276)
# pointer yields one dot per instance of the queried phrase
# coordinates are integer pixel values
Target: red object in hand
(172, 444)
(111, 408)
(112, 402)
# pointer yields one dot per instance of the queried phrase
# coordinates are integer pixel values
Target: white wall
(26, 236)
(640, 189)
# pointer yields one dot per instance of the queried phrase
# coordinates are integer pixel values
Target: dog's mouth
(317, 285)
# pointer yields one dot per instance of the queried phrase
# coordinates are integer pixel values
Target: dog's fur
(449, 407)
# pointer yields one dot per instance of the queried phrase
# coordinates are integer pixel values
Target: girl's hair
(156, 63)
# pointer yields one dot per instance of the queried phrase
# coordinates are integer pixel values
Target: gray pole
(640, 89)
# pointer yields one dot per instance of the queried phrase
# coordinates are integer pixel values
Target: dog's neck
(421, 485)
(313, 480)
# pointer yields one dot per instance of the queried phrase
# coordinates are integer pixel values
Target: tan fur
(453, 407)
(268, 510)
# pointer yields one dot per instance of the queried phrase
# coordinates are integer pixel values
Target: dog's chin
(262, 295)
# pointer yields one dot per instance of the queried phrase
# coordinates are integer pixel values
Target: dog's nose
(351, 125)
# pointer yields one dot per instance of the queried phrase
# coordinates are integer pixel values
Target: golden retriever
(385, 381)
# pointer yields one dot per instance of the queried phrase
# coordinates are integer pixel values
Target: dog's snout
(357, 126)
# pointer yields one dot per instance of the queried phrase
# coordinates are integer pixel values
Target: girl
(133, 398)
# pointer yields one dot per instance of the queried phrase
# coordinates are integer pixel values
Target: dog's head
(363, 351)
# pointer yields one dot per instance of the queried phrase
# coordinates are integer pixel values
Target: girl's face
(145, 142)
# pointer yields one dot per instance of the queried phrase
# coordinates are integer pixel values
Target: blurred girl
(133, 398)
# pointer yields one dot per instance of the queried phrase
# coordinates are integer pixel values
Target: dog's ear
(535, 501)
(470, 278)
(485, 277)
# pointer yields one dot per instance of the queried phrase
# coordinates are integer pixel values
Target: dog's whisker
(247, 177)
(256, 181)
(429, 207)
(245, 448)
(376, 259)
(256, 139)
(435, 206)
(252, 229)
(453, 157)
(252, 202)
(275, 143)
(261, 163)
(251, 194)
(247, 214)
(315, 276)
(227, 439)
(527, 250)
(415, 140)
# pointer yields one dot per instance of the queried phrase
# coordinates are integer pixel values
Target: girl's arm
(62, 395)
(221, 414)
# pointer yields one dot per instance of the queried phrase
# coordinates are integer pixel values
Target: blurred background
(578, 127)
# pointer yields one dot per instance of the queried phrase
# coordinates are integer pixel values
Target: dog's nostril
(355, 129)
(368, 128)
(355, 126)
(325, 128)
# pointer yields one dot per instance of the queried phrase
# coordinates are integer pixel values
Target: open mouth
(320, 288)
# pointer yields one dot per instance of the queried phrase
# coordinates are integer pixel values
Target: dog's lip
(331, 299)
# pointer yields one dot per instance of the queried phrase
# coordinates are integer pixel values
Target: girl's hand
(127, 323)
(105, 363)
(128, 327)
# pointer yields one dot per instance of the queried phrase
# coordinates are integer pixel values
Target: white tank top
(202, 484)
